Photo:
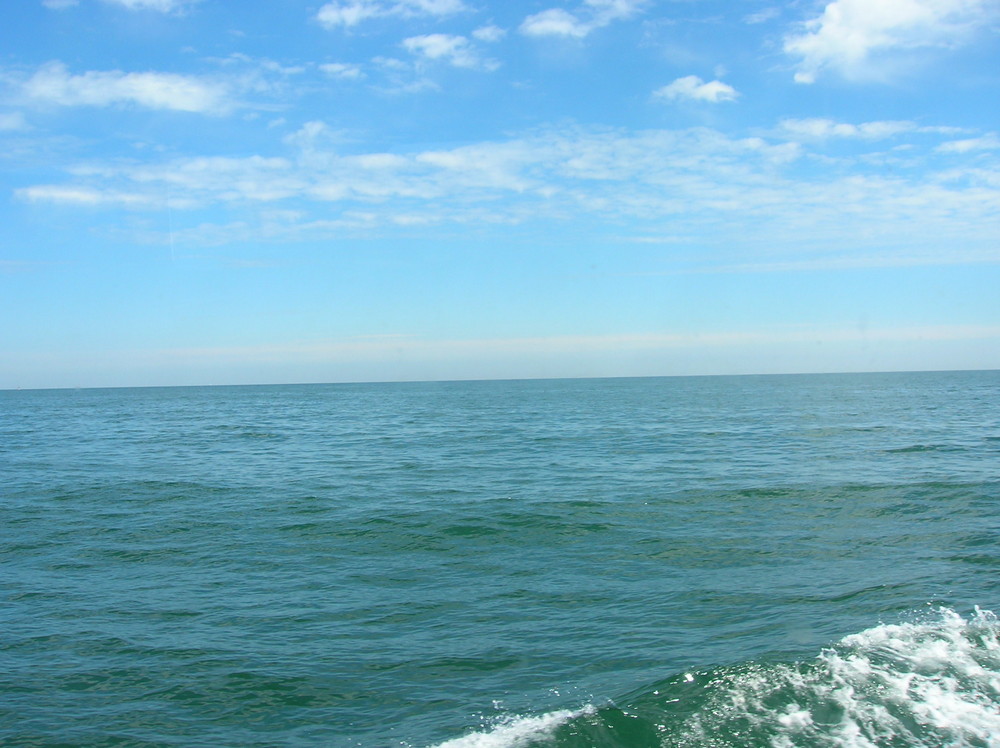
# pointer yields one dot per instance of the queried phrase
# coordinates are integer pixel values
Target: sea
(779, 561)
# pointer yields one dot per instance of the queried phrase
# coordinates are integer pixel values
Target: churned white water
(923, 683)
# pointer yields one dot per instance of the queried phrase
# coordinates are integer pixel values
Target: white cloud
(60, 4)
(349, 13)
(693, 87)
(849, 33)
(592, 15)
(343, 70)
(53, 84)
(826, 128)
(455, 50)
(986, 143)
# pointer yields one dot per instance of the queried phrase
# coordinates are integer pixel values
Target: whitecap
(515, 731)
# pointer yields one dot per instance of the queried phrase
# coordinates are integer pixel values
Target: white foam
(904, 682)
(513, 732)
(943, 674)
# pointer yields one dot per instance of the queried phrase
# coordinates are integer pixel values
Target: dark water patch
(919, 448)
(978, 559)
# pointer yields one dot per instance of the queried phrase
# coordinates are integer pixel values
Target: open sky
(251, 191)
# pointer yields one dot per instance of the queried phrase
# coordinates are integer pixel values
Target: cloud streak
(986, 143)
(53, 84)
(826, 128)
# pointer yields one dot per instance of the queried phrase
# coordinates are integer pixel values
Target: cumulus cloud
(592, 15)
(827, 128)
(348, 13)
(54, 84)
(454, 50)
(694, 88)
(849, 33)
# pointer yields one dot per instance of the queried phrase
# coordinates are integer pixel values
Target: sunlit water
(724, 561)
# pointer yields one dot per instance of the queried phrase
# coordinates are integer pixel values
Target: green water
(630, 562)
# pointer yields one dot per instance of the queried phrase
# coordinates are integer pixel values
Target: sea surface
(708, 561)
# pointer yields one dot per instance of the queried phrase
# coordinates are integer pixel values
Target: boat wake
(930, 682)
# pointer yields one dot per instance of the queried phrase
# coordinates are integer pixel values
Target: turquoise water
(705, 561)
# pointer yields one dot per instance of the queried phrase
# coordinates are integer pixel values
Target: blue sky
(212, 192)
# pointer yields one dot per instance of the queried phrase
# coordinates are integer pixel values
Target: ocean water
(707, 561)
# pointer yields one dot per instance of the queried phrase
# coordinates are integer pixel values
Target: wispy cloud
(489, 33)
(693, 88)
(592, 15)
(349, 13)
(827, 128)
(83, 196)
(161, 6)
(848, 33)
(746, 192)
(762, 16)
(11, 121)
(986, 143)
(54, 84)
(9, 267)
(343, 70)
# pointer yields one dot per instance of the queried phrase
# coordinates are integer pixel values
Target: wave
(934, 681)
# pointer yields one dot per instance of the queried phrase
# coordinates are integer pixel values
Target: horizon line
(496, 379)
